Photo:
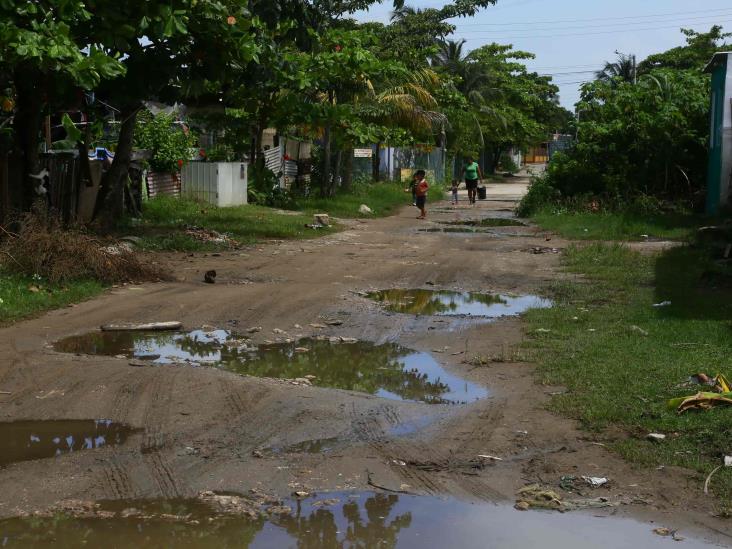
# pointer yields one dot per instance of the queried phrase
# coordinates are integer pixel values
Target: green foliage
(25, 296)
(639, 141)
(383, 198)
(168, 141)
(539, 195)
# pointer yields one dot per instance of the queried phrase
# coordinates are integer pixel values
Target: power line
(650, 16)
(687, 20)
(514, 37)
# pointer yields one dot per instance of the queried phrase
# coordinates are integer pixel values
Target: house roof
(716, 60)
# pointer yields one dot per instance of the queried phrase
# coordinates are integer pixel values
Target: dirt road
(208, 429)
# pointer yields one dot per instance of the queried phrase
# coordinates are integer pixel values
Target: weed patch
(621, 358)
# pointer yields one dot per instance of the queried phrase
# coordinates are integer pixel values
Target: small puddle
(333, 520)
(452, 303)
(197, 346)
(388, 370)
(26, 440)
(488, 222)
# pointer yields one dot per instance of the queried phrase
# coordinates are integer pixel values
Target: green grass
(18, 300)
(619, 377)
(383, 198)
(165, 220)
(617, 226)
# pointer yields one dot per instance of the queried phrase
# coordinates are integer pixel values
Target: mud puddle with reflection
(333, 521)
(487, 222)
(387, 370)
(453, 303)
(27, 440)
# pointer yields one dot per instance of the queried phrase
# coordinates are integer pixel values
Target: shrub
(169, 142)
(540, 194)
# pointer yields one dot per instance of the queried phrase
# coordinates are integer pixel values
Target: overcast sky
(570, 36)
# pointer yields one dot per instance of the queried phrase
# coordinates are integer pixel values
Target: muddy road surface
(299, 372)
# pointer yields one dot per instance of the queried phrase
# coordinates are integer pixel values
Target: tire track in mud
(418, 464)
(117, 481)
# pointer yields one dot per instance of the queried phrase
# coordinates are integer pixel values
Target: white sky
(570, 36)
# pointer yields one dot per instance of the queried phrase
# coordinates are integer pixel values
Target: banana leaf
(702, 400)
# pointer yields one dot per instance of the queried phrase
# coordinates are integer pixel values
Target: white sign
(362, 153)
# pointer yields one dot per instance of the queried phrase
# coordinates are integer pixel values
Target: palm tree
(624, 69)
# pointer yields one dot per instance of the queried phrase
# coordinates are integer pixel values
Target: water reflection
(26, 440)
(453, 303)
(388, 370)
(337, 521)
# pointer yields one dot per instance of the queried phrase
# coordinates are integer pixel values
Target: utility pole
(635, 71)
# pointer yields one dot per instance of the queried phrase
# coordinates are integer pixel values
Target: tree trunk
(110, 200)
(27, 127)
(326, 172)
(337, 172)
(376, 163)
(347, 170)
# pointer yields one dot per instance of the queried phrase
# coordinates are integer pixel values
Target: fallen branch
(372, 483)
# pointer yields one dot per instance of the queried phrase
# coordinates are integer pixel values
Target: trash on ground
(638, 329)
(364, 209)
(535, 496)
(209, 277)
(596, 482)
(209, 235)
(727, 462)
(492, 458)
(149, 326)
(334, 322)
(322, 219)
(662, 304)
(656, 437)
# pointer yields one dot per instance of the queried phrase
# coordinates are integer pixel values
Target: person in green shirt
(472, 174)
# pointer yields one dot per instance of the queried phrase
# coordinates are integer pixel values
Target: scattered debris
(146, 327)
(322, 219)
(302, 350)
(348, 340)
(662, 304)
(277, 331)
(301, 494)
(209, 235)
(596, 482)
(254, 329)
(6, 393)
(209, 277)
(318, 326)
(638, 329)
(492, 458)
(543, 250)
(656, 437)
(538, 497)
(333, 322)
(726, 463)
(364, 209)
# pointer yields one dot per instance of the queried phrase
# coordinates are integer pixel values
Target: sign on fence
(362, 153)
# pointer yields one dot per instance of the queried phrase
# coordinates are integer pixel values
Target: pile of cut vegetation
(43, 247)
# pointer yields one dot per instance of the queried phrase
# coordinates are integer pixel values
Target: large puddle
(452, 303)
(387, 370)
(337, 521)
(26, 440)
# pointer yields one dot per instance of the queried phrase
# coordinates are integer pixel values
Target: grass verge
(166, 220)
(382, 198)
(621, 358)
(617, 226)
(22, 296)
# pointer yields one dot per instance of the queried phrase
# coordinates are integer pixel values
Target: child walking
(421, 189)
(454, 190)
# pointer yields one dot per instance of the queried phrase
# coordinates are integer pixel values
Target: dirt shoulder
(207, 429)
